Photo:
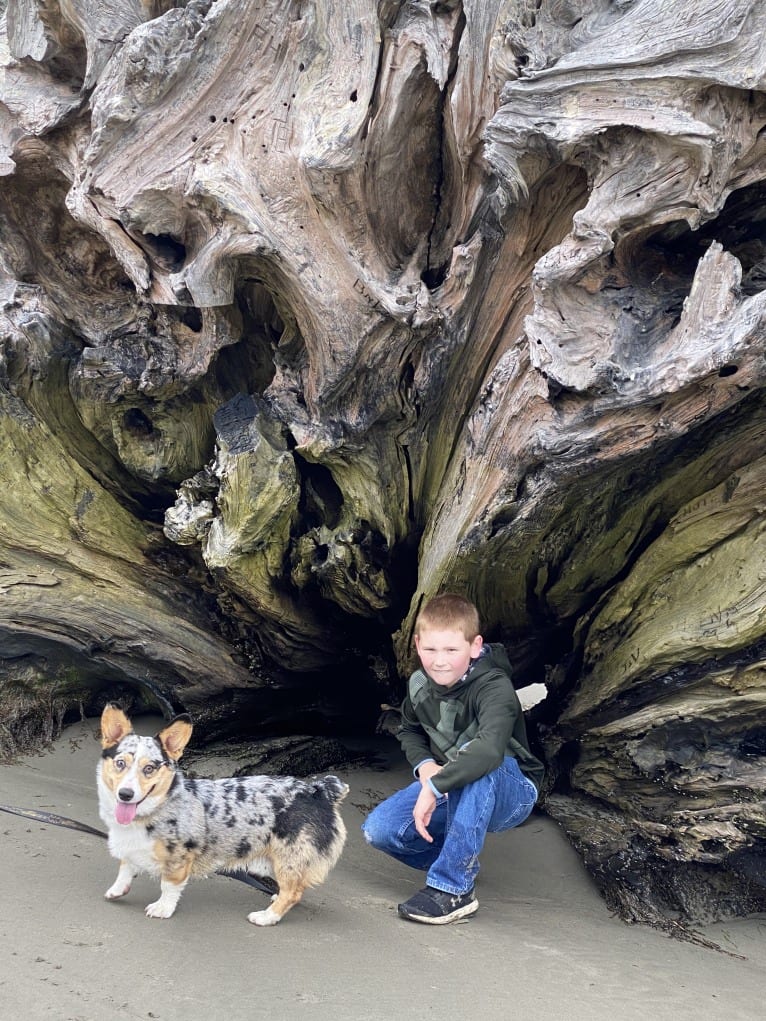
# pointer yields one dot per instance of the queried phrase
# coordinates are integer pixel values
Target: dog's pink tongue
(125, 813)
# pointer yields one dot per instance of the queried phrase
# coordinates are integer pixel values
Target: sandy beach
(542, 946)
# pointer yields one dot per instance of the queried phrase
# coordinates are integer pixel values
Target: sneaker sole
(453, 916)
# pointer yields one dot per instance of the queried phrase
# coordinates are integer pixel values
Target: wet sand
(542, 946)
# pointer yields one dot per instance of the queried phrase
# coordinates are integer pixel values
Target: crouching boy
(463, 733)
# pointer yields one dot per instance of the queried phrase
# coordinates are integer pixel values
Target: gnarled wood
(312, 310)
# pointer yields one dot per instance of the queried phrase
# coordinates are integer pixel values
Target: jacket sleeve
(496, 707)
(412, 737)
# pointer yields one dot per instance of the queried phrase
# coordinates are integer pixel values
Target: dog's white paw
(159, 909)
(117, 890)
(267, 917)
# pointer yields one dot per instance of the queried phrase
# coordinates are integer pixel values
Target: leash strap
(52, 819)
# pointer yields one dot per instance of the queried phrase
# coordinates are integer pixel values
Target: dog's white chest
(133, 844)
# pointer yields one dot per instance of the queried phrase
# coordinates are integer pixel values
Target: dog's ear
(114, 725)
(175, 737)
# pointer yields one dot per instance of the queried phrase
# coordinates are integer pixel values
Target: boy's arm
(497, 709)
(417, 749)
(412, 737)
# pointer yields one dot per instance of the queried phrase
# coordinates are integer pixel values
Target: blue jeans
(498, 801)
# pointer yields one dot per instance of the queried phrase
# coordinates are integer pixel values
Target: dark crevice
(740, 228)
(321, 499)
(165, 250)
(410, 491)
(192, 317)
(248, 366)
(434, 275)
(135, 422)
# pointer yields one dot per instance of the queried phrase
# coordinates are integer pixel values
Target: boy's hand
(423, 810)
(426, 802)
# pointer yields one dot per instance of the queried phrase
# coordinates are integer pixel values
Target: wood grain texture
(310, 311)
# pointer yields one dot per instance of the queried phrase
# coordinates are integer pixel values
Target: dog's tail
(332, 787)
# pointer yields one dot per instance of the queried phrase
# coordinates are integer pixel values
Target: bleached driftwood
(312, 310)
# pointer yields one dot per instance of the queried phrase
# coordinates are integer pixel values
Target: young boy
(463, 733)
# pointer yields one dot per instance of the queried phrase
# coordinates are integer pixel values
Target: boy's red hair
(449, 611)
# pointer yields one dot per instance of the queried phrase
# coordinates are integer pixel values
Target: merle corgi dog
(172, 827)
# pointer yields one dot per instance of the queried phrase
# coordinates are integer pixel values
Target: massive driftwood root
(309, 311)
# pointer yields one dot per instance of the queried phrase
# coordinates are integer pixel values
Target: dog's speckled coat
(162, 823)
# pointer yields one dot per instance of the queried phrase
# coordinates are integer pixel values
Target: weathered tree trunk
(312, 310)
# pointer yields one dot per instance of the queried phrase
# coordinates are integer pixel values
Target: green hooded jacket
(468, 728)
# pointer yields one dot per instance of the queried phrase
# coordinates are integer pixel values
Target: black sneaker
(435, 907)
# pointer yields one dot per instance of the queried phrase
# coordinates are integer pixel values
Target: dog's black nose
(125, 794)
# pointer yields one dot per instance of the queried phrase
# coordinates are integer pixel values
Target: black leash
(52, 819)
(264, 884)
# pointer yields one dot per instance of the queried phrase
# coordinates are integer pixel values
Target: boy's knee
(377, 830)
(368, 829)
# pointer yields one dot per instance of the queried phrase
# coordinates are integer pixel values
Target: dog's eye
(120, 764)
(149, 769)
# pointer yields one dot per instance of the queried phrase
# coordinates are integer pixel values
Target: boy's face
(446, 653)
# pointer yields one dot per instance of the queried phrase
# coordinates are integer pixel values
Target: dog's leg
(122, 883)
(169, 898)
(172, 885)
(290, 892)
